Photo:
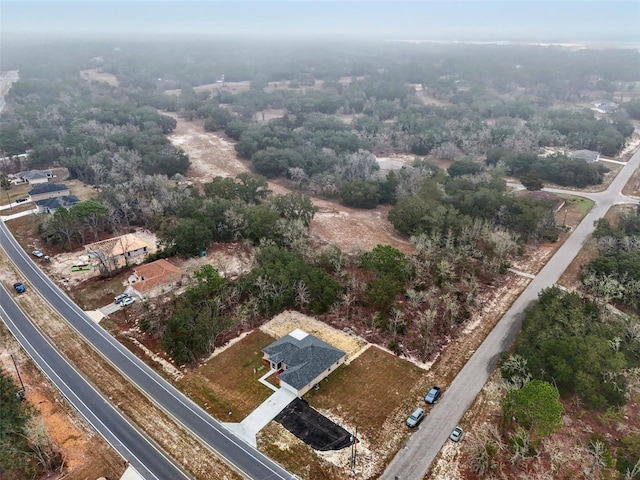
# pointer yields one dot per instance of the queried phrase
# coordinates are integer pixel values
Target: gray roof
(47, 188)
(33, 174)
(305, 358)
(65, 201)
(587, 155)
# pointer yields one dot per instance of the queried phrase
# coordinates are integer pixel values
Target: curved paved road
(125, 438)
(413, 460)
(240, 456)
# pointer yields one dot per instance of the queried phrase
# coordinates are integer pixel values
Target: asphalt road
(124, 437)
(414, 459)
(242, 457)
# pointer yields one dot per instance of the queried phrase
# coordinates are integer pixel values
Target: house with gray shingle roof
(34, 177)
(50, 205)
(301, 360)
(587, 156)
(48, 190)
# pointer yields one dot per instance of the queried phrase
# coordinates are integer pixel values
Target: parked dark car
(432, 396)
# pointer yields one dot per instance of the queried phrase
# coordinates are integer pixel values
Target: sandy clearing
(287, 321)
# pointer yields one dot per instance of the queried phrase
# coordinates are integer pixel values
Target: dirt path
(350, 229)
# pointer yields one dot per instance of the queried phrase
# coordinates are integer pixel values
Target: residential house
(33, 177)
(604, 106)
(587, 156)
(48, 190)
(117, 252)
(301, 361)
(155, 278)
(50, 205)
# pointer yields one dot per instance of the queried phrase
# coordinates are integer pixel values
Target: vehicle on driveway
(118, 298)
(432, 396)
(126, 301)
(37, 253)
(21, 200)
(19, 287)
(415, 418)
(456, 434)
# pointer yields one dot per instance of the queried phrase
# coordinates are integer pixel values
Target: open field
(97, 75)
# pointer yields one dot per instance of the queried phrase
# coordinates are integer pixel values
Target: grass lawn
(580, 205)
(228, 382)
(368, 390)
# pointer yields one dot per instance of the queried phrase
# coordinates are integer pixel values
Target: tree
(536, 406)
(14, 420)
(294, 206)
(360, 194)
(252, 188)
(200, 316)
(386, 260)
(463, 167)
(531, 181)
(186, 237)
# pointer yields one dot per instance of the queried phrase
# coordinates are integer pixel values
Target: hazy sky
(520, 20)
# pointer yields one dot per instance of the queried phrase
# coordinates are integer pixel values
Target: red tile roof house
(155, 278)
(301, 361)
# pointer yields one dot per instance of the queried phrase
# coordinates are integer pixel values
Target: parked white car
(126, 301)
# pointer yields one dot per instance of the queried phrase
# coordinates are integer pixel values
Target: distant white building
(604, 106)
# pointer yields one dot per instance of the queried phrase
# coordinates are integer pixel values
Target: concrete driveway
(261, 416)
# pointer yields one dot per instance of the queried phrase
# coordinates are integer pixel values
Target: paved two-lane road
(413, 460)
(242, 457)
(126, 439)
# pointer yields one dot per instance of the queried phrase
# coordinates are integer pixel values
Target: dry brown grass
(227, 382)
(354, 391)
(171, 437)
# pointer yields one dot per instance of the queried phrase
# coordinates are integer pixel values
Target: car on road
(432, 395)
(37, 253)
(119, 298)
(19, 287)
(456, 434)
(126, 301)
(415, 418)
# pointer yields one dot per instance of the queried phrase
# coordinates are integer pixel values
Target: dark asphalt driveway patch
(312, 427)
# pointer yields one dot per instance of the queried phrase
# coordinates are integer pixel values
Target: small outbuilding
(301, 361)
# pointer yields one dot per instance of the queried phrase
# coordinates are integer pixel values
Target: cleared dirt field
(96, 75)
(351, 230)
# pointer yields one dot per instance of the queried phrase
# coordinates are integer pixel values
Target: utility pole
(21, 394)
